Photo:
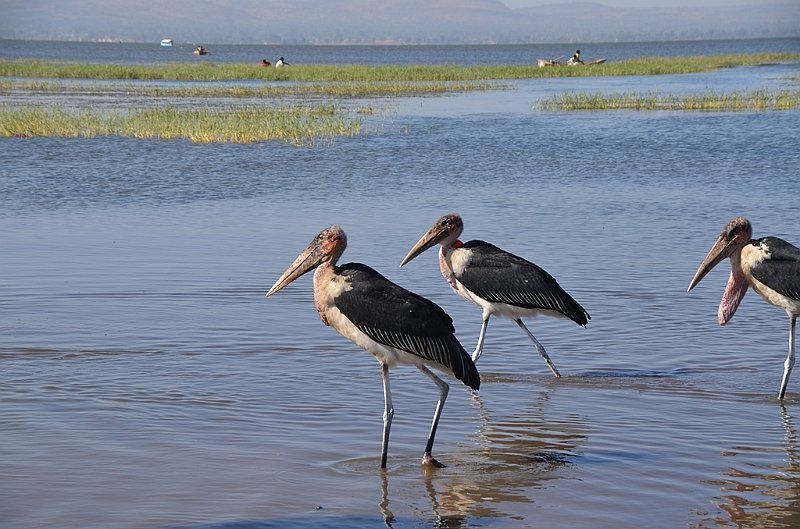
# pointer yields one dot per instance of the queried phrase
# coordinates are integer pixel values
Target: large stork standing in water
(395, 325)
(501, 283)
(770, 266)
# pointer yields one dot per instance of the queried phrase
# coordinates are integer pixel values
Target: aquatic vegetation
(762, 99)
(115, 102)
(200, 112)
(296, 125)
(208, 71)
(341, 90)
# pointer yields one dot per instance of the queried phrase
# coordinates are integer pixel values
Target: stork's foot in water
(554, 370)
(428, 460)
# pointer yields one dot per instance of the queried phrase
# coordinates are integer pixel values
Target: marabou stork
(770, 266)
(395, 325)
(501, 283)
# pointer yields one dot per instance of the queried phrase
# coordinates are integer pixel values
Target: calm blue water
(153, 53)
(145, 381)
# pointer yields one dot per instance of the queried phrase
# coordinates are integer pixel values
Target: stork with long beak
(770, 266)
(395, 325)
(501, 283)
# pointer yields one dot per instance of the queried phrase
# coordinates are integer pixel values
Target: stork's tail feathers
(464, 369)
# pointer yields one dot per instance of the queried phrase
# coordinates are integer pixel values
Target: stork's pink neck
(445, 268)
(734, 291)
(322, 275)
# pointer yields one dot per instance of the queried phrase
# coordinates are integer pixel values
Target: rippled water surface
(154, 53)
(145, 381)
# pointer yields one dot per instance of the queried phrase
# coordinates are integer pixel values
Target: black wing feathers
(502, 277)
(394, 316)
(781, 272)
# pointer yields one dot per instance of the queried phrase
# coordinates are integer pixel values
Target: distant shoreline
(376, 22)
(399, 43)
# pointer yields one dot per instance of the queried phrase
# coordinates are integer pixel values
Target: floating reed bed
(208, 71)
(762, 99)
(339, 90)
(296, 125)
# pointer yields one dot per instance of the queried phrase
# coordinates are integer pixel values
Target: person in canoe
(200, 51)
(575, 59)
(281, 62)
(265, 62)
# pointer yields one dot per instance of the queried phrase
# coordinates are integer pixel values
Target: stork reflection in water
(395, 325)
(770, 266)
(501, 283)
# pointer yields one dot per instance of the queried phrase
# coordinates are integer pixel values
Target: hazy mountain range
(384, 21)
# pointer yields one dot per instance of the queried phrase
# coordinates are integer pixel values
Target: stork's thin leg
(539, 347)
(479, 348)
(789, 363)
(427, 458)
(388, 413)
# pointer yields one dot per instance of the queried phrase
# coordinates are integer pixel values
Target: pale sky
(514, 4)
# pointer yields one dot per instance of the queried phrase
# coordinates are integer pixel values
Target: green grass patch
(761, 99)
(296, 125)
(208, 71)
(317, 89)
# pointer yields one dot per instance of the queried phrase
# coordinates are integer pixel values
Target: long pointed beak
(305, 262)
(722, 249)
(434, 236)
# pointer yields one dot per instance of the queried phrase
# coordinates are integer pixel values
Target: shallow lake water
(154, 53)
(145, 381)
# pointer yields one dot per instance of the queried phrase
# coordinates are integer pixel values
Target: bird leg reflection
(450, 513)
(427, 458)
(791, 435)
(539, 347)
(388, 516)
(388, 413)
(789, 363)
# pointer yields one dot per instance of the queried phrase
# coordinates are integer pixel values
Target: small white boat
(166, 42)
